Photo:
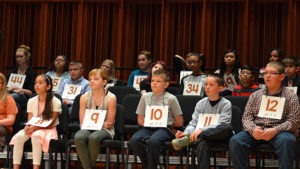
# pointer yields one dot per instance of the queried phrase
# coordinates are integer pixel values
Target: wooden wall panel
(93, 30)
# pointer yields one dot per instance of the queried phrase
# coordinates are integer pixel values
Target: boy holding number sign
(158, 112)
(210, 121)
(271, 116)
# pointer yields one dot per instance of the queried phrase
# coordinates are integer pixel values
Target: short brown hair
(147, 54)
(76, 63)
(277, 65)
(100, 72)
(164, 74)
(219, 79)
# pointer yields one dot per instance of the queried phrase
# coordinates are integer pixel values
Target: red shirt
(241, 91)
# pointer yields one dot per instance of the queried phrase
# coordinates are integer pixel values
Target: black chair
(187, 104)
(239, 101)
(173, 90)
(121, 92)
(117, 143)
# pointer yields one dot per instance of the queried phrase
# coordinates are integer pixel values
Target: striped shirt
(290, 116)
(241, 91)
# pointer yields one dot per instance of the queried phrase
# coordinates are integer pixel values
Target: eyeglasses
(19, 56)
(246, 73)
(271, 74)
(189, 62)
(70, 70)
(59, 60)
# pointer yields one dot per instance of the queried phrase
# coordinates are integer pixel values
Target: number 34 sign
(93, 119)
(156, 116)
(271, 107)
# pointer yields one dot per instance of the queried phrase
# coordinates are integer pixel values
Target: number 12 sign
(93, 119)
(271, 107)
(156, 116)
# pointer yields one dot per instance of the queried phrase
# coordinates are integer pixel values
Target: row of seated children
(158, 129)
(68, 76)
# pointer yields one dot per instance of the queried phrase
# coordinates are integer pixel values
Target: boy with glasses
(74, 85)
(246, 87)
(271, 116)
(291, 79)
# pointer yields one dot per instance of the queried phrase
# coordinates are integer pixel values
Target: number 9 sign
(93, 119)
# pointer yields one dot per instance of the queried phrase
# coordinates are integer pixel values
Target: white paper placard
(230, 82)
(184, 73)
(56, 81)
(109, 85)
(137, 80)
(156, 116)
(293, 89)
(192, 88)
(271, 107)
(16, 80)
(205, 120)
(71, 91)
(93, 119)
(39, 122)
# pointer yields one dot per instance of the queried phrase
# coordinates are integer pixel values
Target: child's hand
(107, 125)
(66, 102)
(29, 129)
(179, 134)
(194, 135)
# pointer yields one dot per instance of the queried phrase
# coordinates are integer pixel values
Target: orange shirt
(8, 107)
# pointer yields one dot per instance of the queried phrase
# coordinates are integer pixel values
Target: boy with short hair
(291, 69)
(73, 85)
(156, 126)
(218, 109)
(246, 87)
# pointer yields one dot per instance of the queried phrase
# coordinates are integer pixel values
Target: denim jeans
(20, 99)
(284, 144)
(146, 144)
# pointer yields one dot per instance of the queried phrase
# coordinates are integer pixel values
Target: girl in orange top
(8, 111)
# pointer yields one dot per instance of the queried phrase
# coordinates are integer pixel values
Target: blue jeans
(284, 144)
(146, 144)
(20, 99)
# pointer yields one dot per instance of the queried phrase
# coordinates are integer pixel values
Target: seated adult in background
(291, 79)
(144, 62)
(109, 67)
(145, 85)
(180, 64)
(58, 71)
(271, 116)
(74, 85)
(8, 111)
(194, 83)
(21, 78)
(229, 70)
(246, 87)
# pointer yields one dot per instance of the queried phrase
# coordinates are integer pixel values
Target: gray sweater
(203, 106)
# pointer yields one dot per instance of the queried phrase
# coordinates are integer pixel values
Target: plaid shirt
(290, 116)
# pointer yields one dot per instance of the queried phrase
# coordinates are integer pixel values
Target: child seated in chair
(246, 87)
(210, 121)
(158, 112)
(291, 79)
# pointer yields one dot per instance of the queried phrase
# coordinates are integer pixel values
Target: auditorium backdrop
(93, 30)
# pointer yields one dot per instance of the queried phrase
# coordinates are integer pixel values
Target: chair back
(172, 90)
(236, 120)
(63, 118)
(75, 109)
(121, 92)
(239, 101)
(130, 103)
(187, 104)
(119, 123)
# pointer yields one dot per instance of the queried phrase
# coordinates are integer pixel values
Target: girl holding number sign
(229, 70)
(21, 78)
(88, 141)
(42, 109)
(58, 71)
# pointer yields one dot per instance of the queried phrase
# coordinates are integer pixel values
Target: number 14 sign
(156, 116)
(271, 107)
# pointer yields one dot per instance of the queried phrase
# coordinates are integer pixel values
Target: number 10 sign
(156, 116)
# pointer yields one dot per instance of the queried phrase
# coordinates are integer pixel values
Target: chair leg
(215, 159)
(167, 158)
(68, 162)
(107, 163)
(181, 159)
(50, 156)
(193, 158)
(127, 157)
(11, 158)
(257, 160)
(187, 160)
